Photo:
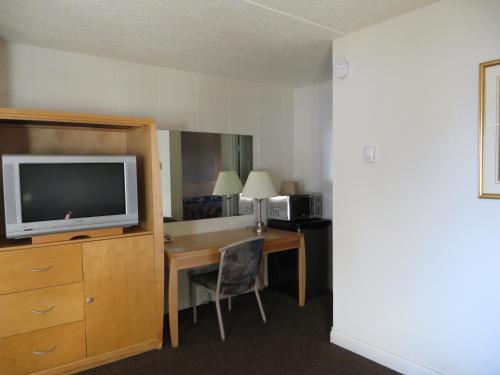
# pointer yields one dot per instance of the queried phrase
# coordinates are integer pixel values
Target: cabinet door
(119, 293)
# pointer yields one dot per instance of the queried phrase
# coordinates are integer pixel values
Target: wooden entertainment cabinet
(70, 305)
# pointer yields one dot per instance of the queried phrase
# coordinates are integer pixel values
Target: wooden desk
(202, 250)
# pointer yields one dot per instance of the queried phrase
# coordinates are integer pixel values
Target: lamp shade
(259, 186)
(228, 183)
(289, 187)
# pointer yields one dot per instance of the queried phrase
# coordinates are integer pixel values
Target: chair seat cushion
(209, 281)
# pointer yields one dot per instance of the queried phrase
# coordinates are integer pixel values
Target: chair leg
(259, 302)
(192, 287)
(219, 316)
(229, 305)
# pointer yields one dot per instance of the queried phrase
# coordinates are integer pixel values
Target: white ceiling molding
(293, 16)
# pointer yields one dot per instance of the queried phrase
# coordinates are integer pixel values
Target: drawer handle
(40, 312)
(40, 269)
(45, 351)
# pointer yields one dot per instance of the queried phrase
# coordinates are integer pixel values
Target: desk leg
(302, 273)
(173, 303)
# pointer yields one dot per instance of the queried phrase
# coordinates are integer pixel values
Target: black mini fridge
(283, 266)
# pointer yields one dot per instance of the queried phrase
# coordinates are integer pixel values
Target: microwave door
(300, 207)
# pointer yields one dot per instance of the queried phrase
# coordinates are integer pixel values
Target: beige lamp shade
(259, 185)
(289, 187)
(228, 183)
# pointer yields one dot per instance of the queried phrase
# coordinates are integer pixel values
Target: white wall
(416, 253)
(313, 141)
(33, 77)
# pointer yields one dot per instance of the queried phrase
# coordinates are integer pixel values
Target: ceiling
(279, 41)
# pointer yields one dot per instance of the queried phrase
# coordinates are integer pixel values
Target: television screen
(59, 191)
(45, 194)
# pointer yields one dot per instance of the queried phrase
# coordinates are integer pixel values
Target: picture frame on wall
(489, 131)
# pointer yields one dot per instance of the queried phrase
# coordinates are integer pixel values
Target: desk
(202, 250)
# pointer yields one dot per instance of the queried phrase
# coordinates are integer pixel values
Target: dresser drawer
(50, 347)
(40, 267)
(41, 308)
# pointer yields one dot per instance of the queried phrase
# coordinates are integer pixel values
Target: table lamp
(228, 183)
(289, 188)
(259, 186)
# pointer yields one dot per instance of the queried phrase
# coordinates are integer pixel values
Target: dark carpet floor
(293, 341)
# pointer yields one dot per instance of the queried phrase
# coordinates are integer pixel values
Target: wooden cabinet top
(6, 245)
(28, 116)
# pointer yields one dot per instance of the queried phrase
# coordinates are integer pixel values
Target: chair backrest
(239, 265)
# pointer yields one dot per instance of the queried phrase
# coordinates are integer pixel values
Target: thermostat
(370, 154)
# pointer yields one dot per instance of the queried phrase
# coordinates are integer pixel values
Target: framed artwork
(489, 148)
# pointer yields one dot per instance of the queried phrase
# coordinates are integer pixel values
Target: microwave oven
(295, 207)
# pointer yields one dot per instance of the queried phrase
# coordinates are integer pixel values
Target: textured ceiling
(280, 41)
(343, 16)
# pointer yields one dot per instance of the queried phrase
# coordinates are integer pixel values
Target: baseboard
(378, 355)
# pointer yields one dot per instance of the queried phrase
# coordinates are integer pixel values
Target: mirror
(190, 166)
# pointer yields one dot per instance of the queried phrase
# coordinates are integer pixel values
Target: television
(46, 194)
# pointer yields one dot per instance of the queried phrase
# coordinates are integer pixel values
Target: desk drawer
(35, 351)
(40, 267)
(41, 308)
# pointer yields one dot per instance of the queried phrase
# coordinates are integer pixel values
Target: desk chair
(237, 274)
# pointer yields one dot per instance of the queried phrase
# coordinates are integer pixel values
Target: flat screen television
(53, 193)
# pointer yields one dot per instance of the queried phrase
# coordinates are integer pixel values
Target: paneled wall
(33, 77)
(313, 141)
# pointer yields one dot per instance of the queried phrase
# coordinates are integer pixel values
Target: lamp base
(259, 227)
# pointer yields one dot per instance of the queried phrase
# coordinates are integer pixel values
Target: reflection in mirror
(191, 165)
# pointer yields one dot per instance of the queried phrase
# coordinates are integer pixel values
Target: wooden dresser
(70, 305)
